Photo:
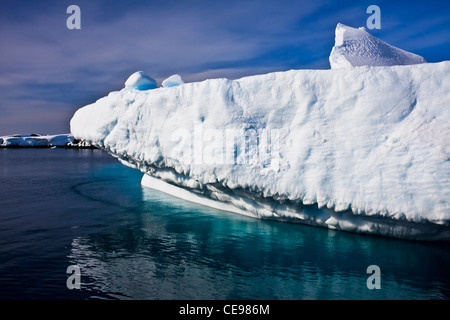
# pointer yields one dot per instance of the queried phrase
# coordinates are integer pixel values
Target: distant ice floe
(42, 141)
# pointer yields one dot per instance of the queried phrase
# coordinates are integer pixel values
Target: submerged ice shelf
(362, 149)
(249, 204)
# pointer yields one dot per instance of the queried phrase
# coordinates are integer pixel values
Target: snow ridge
(356, 47)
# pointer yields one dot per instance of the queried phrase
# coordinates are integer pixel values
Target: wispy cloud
(48, 71)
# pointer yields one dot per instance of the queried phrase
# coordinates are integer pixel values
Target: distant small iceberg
(43, 141)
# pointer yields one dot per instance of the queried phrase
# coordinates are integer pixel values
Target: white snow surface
(172, 81)
(140, 81)
(356, 47)
(363, 149)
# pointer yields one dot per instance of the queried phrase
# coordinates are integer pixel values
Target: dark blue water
(81, 207)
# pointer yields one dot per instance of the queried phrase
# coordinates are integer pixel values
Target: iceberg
(35, 140)
(362, 149)
(42, 141)
(356, 47)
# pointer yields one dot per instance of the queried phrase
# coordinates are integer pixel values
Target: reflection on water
(166, 248)
(65, 207)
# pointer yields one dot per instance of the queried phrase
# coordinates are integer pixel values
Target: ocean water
(60, 208)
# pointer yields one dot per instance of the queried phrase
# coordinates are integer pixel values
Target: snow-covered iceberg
(35, 140)
(361, 149)
(42, 141)
(356, 47)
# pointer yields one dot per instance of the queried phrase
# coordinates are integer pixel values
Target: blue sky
(48, 71)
